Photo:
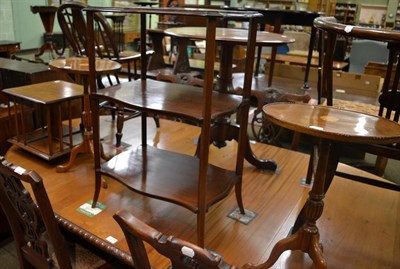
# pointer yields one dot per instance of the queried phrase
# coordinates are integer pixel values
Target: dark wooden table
(8, 48)
(334, 127)
(79, 67)
(48, 142)
(47, 15)
(227, 38)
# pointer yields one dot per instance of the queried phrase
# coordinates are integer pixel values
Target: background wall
(28, 27)
(6, 21)
(20, 24)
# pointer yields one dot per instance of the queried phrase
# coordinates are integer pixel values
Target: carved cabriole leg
(84, 147)
(306, 238)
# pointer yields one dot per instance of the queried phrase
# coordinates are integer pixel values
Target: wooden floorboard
(359, 226)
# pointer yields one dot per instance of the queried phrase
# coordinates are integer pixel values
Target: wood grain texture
(363, 236)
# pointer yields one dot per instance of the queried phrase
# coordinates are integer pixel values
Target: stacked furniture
(188, 181)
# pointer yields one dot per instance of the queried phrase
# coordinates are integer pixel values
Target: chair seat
(128, 55)
(80, 257)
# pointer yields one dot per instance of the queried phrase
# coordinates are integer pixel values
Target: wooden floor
(360, 225)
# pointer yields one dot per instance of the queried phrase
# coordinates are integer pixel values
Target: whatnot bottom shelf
(169, 176)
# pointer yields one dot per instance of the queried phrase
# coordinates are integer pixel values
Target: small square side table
(54, 139)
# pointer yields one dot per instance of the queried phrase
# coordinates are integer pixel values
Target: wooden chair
(389, 99)
(37, 236)
(107, 46)
(73, 26)
(181, 253)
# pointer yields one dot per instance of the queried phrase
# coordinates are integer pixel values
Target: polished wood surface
(47, 92)
(363, 236)
(172, 99)
(80, 66)
(333, 123)
(331, 126)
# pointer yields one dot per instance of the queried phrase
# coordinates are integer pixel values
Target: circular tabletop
(333, 123)
(80, 65)
(230, 35)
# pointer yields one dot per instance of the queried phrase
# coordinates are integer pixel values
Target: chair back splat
(30, 221)
(38, 239)
(73, 25)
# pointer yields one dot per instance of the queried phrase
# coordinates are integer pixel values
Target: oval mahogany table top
(333, 123)
(230, 35)
(80, 65)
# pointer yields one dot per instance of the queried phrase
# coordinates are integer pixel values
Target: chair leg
(109, 80)
(120, 126)
(380, 165)
(129, 72)
(135, 71)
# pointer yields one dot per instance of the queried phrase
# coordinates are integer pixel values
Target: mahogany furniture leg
(182, 59)
(306, 238)
(156, 60)
(224, 77)
(120, 124)
(85, 146)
